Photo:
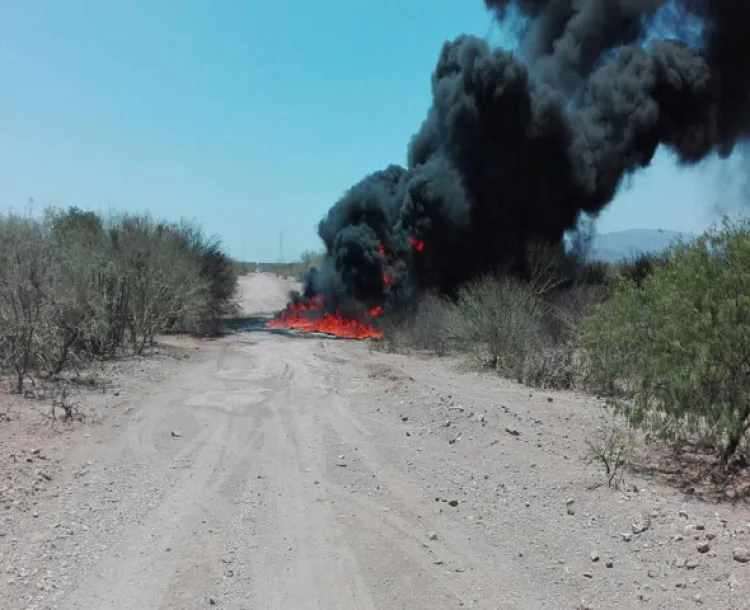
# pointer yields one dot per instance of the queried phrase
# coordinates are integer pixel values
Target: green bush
(672, 349)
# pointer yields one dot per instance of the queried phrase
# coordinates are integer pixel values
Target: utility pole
(281, 247)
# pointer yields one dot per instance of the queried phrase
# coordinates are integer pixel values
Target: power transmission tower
(281, 247)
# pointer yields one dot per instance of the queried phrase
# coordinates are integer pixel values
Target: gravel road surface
(281, 472)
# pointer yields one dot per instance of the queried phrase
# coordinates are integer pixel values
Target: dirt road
(278, 472)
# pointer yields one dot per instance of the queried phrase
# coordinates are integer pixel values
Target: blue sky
(249, 116)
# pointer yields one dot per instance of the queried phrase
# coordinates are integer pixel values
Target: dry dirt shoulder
(514, 459)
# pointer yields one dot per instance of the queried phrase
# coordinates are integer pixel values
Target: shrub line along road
(287, 473)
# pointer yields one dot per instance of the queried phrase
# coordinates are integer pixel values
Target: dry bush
(496, 322)
(217, 269)
(504, 325)
(527, 330)
(395, 339)
(544, 268)
(420, 328)
(427, 328)
(64, 399)
(73, 288)
(520, 330)
(162, 285)
(24, 266)
(79, 264)
(554, 367)
(612, 447)
(560, 362)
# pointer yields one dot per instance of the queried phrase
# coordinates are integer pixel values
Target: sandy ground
(264, 293)
(264, 471)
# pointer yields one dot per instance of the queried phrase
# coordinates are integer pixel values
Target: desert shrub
(611, 446)
(558, 363)
(426, 328)
(24, 257)
(525, 328)
(674, 353)
(567, 308)
(528, 330)
(216, 267)
(74, 287)
(421, 327)
(78, 267)
(554, 366)
(496, 322)
(545, 268)
(502, 324)
(162, 284)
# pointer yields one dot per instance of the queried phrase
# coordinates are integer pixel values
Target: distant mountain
(615, 246)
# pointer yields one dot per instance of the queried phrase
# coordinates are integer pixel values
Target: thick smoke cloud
(516, 146)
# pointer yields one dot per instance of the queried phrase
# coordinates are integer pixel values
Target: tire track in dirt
(403, 514)
(294, 556)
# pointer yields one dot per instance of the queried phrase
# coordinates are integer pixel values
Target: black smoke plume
(517, 145)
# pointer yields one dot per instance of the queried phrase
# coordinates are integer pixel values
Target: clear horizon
(252, 119)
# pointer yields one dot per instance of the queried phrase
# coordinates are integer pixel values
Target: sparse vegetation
(611, 447)
(526, 330)
(75, 287)
(664, 337)
(497, 323)
(296, 269)
(421, 328)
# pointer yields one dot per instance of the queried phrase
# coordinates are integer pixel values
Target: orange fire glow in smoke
(417, 244)
(311, 317)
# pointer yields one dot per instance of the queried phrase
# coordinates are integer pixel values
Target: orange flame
(385, 277)
(309, 317)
